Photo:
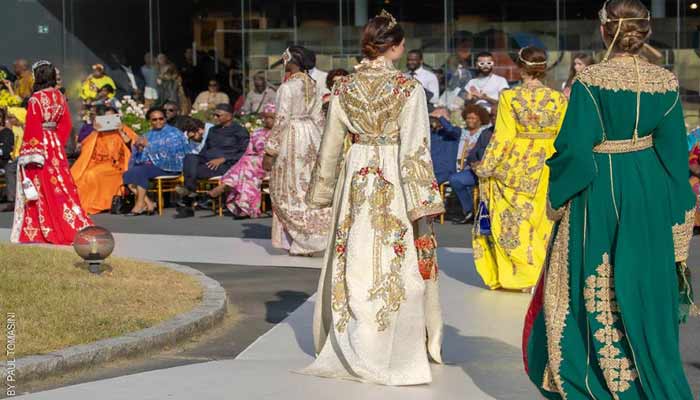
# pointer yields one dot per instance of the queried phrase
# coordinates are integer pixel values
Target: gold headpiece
(286, 56)
(604, 19)
(529, 63)
(387, 14)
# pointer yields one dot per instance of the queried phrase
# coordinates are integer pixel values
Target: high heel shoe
(151, 211)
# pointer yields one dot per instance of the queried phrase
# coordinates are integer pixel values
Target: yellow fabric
(92, 85)
(8, 100)
(513, 183)
(98, 171)
(24, 85)
(21, 115)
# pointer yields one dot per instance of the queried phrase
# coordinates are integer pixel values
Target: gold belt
(624, 146)
(376, 140)
(536, 135)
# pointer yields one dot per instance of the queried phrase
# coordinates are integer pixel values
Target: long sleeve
(433, 86)
(451, 132)
(325, 173)
(671, 146)
(501, 141)
(420, 188)
(282, 119)
(572, 167)
(33, 150)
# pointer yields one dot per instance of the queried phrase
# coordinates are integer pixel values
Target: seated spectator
(260, 96)
(244, 179)
(87, 127)
(444, 144)
(105, 97)
(8, 98)
(464, 180)
(334, 76)
(24, 84)
(94, 83)
(172, 114)
(160, 151)
(196, 132)
(486, 87)
(209, 98)
(226, 143)
(103, 159)
(16, 117)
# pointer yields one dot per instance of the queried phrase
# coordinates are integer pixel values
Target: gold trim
(624, 146)
(385, 139)
(536, 135)
(425, 211)
(682, 234)
(554, 214)
(556, 298)
(619, 74)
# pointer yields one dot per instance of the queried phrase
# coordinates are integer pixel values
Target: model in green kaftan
(604, 320)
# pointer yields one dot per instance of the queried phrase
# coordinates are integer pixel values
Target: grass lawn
(58, 304)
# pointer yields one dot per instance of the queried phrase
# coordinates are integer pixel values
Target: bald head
(21, 65)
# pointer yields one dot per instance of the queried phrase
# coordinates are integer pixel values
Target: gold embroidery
(554, 214)
(624, 146)
(536, 135)
(682, 234)
(619, 74)
(418, 177)
(548, 383)
(536, 118)
(478, 250)
(512, 219)
(599, 295)
(556, 298)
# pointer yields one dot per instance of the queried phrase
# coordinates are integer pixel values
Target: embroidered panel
(620, 74)
(682, 234)
(601, 303)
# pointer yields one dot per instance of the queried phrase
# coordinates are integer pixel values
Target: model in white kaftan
(377, 315)
(295, 140)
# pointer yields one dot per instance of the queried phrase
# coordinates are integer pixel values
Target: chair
(443, 186)
(204, 185)
(165, 184)
(265, 192)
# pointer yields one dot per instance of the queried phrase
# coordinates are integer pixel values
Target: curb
(210, 311)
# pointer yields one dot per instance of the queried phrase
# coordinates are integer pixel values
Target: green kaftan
(604, 321)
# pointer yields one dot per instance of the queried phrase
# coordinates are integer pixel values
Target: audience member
(126, 81)
(94, 83)
(463, 181)
(159, 152)
(149, 70)
(444, 144)
(260, 96)
(7, 143)
(580, 61)
(172, 115)
(196, 132)
(104, 157)
(16, 117)
(25, 79)
(414, 63)
(317, 75)
(191, 74)
(244, 179)
(458, 66)
(486, 88)
(334, 76)
(8, 98)
(170, 89)
(209, 99)
(225, 145)
(87, 127)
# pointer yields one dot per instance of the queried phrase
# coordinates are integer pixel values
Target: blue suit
(444, 144)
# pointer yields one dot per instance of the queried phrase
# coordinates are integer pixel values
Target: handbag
(482, 221)
(28, 188)
(122, 203)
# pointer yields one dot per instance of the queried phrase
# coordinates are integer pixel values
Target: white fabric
(492, 85)
(429, 81)
(150, 93)
(320, 78)
(132, 78)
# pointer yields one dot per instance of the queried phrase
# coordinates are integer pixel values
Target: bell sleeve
(327, 168)
(501, 141)
(33, 150)
(671, 146)
(282, 119)
(572, 167)
(420, 188)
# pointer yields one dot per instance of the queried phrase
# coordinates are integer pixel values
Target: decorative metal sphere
(93, 244)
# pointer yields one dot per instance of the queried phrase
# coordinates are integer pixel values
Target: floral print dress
(246, 176)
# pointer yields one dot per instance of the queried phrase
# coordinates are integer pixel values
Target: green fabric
(622, 209)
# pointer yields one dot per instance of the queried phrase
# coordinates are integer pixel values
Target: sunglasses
(485, 63)
(170, 109)
(157, 119)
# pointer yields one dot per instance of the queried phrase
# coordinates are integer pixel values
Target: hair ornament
(387, 14)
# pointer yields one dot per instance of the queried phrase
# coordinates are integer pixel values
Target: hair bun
(631, 41)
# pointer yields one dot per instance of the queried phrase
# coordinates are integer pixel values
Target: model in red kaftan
(57, 215)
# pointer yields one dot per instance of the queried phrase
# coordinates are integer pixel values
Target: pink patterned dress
(245, 177)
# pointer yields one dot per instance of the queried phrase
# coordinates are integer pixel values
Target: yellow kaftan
(513, 183)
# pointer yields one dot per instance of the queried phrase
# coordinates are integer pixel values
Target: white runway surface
(481, 347)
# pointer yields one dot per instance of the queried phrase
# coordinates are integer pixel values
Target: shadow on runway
(287, 302)
(494, 366)
(256, 231)
(460, 266)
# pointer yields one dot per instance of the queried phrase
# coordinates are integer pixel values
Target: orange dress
(98, 171)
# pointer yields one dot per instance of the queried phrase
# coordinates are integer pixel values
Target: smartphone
(104, 123)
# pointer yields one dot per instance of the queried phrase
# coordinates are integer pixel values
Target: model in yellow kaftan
(513, 184)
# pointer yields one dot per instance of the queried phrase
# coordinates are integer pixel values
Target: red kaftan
(57, 215)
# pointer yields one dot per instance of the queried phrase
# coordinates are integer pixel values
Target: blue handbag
(482, 222)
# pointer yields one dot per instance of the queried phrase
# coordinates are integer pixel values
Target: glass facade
(247, 36)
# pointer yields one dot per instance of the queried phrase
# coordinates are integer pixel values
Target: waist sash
(624, 146)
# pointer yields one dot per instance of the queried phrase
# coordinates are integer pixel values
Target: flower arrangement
(203, 114)
(250, 121)
(133, 115)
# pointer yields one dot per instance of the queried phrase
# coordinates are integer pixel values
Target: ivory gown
(378, 295)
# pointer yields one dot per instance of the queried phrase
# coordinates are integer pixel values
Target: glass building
(240, 37)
